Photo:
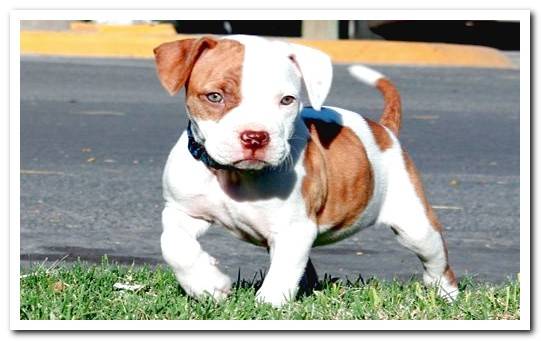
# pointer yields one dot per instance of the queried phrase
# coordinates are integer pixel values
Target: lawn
(83, 291)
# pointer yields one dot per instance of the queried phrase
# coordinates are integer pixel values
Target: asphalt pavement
(95, 134)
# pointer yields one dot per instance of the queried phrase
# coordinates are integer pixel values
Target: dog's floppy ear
(316, 69)
(175, 60)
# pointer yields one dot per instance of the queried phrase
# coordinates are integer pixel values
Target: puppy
(280, 175)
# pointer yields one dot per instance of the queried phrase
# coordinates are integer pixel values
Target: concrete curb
(138, 41)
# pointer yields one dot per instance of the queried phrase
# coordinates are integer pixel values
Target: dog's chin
(260, 164)
(251, 164)
(255, 163)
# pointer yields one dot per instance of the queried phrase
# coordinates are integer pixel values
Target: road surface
(95, 134)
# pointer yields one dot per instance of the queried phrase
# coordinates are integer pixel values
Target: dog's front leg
(195, 269)
(289, 251)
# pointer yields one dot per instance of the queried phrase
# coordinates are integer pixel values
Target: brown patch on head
(175, 60)
(381, 136)
(218, 70)
(204, 65)
(415, 179)
(339, 181)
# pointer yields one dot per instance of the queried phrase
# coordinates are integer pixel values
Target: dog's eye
(214, 97)
(287, 100)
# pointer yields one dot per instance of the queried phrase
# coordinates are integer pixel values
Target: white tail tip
(365, 74)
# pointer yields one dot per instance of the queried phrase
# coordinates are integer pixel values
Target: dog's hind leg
(195, 269)
(407, 211)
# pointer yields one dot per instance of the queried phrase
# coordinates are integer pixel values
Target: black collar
(199, 152)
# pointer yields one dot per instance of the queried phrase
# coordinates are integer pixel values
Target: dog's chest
(254, 213)
(250, 208)
(246, 221)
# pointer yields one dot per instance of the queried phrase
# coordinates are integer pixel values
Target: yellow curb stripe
(165, 29)
(91, 44)
(410, 53)
(140, 44)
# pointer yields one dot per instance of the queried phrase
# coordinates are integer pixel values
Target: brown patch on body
(339, 181)
(392, 113)
(204, 65)
(381, 136)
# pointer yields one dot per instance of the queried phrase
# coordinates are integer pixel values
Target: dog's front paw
(276, 298)
(205, 279)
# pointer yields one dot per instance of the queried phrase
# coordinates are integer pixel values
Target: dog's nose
(254, 139)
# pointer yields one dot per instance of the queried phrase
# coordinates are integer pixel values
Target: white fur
(195, 192)
(404, 211)
(365, 74)
(267, 207)
(315, 66)
(316, 70)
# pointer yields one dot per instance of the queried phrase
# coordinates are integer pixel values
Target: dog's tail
(392, 111)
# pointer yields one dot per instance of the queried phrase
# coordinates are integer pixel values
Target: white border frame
(235, 14)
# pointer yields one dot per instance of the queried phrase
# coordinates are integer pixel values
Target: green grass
(84, 291)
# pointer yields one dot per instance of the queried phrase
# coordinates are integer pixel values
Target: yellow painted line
(139, 44)
(39, 172)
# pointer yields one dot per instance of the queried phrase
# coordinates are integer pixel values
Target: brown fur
(449, 273)
(218, 70)
(381, 136)
(339, 181)
(392, 113)
(175, 60)
(204, 65)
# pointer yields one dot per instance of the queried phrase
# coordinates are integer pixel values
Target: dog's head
(243, 93)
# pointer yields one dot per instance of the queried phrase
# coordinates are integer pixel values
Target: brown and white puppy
(279, 175)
